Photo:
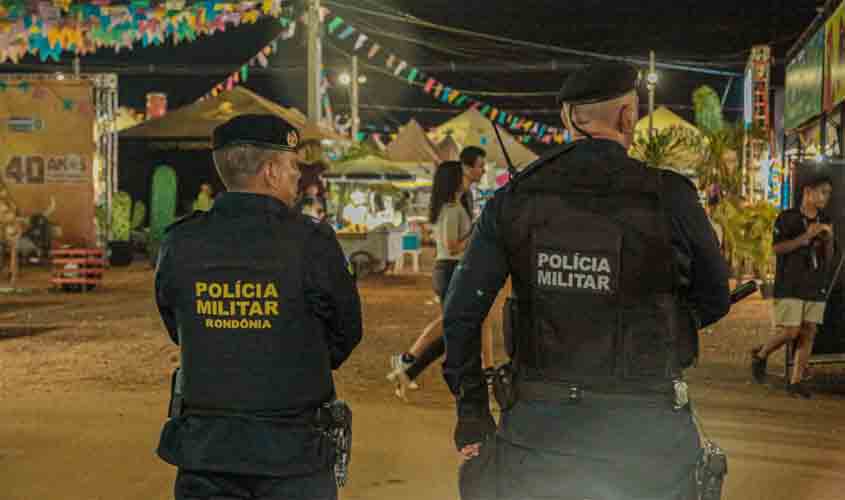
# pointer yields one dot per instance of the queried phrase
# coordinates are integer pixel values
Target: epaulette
(671, 173)
(192, 216)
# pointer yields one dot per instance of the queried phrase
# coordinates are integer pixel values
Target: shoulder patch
(196, 215)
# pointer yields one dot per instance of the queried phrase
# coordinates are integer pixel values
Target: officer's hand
(473, 430)
(470, 451)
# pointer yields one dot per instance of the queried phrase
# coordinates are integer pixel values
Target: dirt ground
(84, 388)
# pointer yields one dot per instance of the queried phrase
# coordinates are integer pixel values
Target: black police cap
(599, 82)
(263, 131)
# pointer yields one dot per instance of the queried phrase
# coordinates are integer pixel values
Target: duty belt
(672, 391)
(309, 417)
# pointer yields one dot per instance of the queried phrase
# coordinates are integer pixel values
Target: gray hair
(237, 164)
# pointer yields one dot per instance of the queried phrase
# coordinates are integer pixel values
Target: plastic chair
(410, 246)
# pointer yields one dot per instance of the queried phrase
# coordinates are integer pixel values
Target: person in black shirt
(803, 243)
(602, 323)
(259, 299)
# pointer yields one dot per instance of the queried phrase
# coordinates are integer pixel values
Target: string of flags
(260, 59)
(441, 91)
(40, 92)
(50, 29)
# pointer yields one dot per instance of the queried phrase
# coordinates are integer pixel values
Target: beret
(599, 82)
(263, 131)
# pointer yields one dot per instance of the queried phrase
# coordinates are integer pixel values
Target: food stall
(370, 215)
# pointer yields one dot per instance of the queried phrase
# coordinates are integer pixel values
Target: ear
(626, 118)
(268, 173)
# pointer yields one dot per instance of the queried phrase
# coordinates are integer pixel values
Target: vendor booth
(182, 139)
(374, 200)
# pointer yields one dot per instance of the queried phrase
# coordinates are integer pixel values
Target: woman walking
(449, 214)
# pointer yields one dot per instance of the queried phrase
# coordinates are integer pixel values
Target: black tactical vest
(592, 267)
(248, 343)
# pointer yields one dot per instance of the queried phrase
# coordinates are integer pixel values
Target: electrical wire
(534, 45)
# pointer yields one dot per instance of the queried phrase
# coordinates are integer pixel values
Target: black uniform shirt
(484, 268)
(802, 273)
(244, 222)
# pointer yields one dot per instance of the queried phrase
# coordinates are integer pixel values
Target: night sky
(716, 34)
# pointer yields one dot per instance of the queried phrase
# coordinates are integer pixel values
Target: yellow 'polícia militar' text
(238, 305)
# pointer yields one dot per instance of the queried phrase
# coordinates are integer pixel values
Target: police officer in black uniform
(261, 303)
(614, 267)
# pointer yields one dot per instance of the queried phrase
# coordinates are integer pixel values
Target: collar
(239, 203)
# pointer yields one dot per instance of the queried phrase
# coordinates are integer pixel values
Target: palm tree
(666, 148)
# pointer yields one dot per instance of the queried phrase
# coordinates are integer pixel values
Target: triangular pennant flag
(461, 100)
(494, 113)
(429, 85)
(453, 95)
(335, 24)
(503, 118)
(360, 42)
(485, 109)
(412, 75)
(324, 11)
(391, 60)
(244, 72)
(373, 51)
(400, 67)
(475, 104)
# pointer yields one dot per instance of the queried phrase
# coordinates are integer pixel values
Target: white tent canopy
(472, 129)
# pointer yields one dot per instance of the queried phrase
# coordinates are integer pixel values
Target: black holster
(501, 380)
(176, 407)
(334, 419)
(711, 471)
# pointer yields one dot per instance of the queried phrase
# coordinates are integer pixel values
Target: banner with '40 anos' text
(46, 153)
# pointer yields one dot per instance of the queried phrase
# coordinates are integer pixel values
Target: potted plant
(126, 216)
(748, 237)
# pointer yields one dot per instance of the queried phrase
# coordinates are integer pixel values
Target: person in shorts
(803, 242)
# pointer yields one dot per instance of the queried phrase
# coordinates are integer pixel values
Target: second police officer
(614, 268)
(260, 301)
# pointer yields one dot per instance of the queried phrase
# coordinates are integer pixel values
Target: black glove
(475, 423)
(474, 429)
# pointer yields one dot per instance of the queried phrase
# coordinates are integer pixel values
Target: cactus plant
(139, 212)
(126, 216)
(121, 209)
(162, 206)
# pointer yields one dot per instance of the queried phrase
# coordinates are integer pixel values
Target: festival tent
(182, 139)
(194, 123)
(411, 144)
(448, 149)
(470, 128)
(664, 118)
(372, 169)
